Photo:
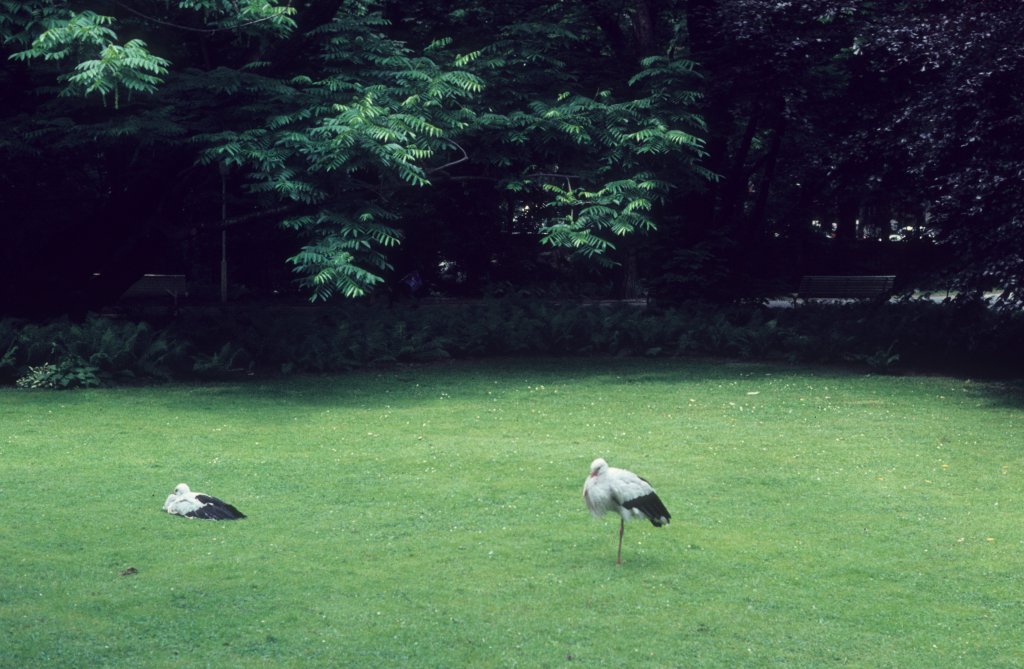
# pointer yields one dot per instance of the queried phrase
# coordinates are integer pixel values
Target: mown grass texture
(432, 517)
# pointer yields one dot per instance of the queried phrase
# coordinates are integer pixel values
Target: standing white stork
(622, 491)
(184, 502)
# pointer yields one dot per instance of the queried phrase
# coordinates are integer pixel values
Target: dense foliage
(317, 119)
(957, 127)
(861, 120)
(700, 146)
(211, 343)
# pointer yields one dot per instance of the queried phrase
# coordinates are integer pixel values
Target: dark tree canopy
(694, 145)
(870, 119)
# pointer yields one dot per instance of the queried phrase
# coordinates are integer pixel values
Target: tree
(958, 126)
(317, 118)
(850, 112)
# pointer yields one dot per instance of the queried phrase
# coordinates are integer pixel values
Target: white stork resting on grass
(184, 502)
(625, 493)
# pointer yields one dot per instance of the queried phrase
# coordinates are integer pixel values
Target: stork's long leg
(622, 527)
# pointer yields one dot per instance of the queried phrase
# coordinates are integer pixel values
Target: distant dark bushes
(215, 343)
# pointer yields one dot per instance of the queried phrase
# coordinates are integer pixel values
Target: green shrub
(65, 375)
(9, 363)
(229, 361)
(214, 343)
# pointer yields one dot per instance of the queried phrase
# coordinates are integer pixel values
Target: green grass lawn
(432, 517)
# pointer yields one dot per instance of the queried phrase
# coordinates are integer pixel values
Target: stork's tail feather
(652, 507)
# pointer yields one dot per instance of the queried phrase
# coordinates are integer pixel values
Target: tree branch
(208, 31)
(464, 158)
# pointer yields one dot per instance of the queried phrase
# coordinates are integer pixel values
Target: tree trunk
(846, 222)
(643, 26)
(631, 288)
(755, 224)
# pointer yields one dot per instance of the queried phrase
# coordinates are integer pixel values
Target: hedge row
(216, 343)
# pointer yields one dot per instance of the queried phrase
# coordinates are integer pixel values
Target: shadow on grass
(415, 384)
(1002, 394)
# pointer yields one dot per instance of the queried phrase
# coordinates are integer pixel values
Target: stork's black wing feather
(215, 509)
(651, 506)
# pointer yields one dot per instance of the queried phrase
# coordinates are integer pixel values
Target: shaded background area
(831, 137)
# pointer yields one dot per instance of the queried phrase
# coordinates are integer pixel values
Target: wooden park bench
(157, 286)
(845, 287)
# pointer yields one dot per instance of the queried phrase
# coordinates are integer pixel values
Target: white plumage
(625, 493)
(184, 502)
